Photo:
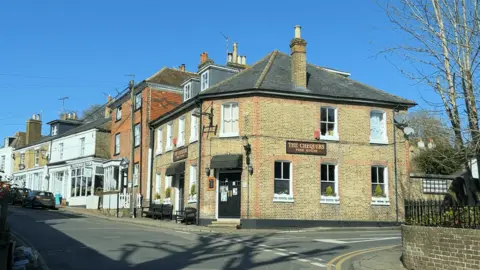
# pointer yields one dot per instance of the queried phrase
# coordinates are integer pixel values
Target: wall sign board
(180, 154)
(306, 148)
(211, 183)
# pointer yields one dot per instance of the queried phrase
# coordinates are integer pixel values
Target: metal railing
(436, 213)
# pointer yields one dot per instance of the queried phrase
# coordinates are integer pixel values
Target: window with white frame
(193, 128)
(193, 184)
(36, 157)
(137, 134)
(60, 151)
(54, 130)
(181, 131)
(379, 178)
(118, 114)
(229, 119)
(329, 183)
(138, 101)
(117, 144)
(136, 172)
(378, 127)
(168, 145)
(187, 92)
(2, 163)
(82, 147)
(158, 183)
(22, 158)
(168, 181)
(159, 141)
(328, 123)
(283, 181)
(205, 81)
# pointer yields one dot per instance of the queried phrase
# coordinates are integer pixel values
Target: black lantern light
(207, 171)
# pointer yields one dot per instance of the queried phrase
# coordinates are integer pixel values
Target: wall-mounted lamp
(250, 169)
(248, 151)
(207, 171)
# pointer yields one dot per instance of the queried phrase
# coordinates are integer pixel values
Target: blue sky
(83, 49)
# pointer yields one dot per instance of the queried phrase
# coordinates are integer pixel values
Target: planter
(192, 198)
(167, 201)
(157, 201)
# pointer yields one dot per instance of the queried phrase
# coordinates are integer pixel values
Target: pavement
(68, 240)
(384, 259)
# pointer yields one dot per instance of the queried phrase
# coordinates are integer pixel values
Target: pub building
(282, 143)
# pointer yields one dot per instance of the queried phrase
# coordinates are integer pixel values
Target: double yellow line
(337, 262)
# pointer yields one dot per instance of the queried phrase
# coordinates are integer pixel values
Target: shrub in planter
(168, 192)
(329, 191)
(157, 196)
(193, 190)
(379, 192)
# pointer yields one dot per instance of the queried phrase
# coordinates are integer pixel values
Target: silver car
(37, 198)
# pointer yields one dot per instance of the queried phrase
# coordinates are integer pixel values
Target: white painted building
(6, 161)
(75, 168)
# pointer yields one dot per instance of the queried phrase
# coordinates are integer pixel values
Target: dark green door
(229, 195)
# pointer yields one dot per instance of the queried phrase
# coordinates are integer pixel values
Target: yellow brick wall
(30, 157)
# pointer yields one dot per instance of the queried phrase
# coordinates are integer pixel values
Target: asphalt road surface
(71, 241)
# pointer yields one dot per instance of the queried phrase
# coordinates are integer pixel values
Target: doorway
(229, 194)
(180, 194)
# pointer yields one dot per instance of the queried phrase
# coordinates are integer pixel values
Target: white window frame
(169, 142)
(22, 158)
(283, 197)
(138, 101)
(118, 114)
(36, 157)
(205, 80)
(334, 136)
(187, 91)
(380, 200)
(54, 130)
(222, 123)
(158, 151)
(82, 146)
(136, 172)
(117, 144)
(192, 180)
(329, 199)
(168, 182)
(60, 151)
(137, 135)
(181, 131)
(193, 128)
(384, 139)
(3, 162)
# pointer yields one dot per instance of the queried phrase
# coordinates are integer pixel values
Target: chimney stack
(34, 129)
(108, 111)
(203, 57)
(298, 51)
(235, 52)
(182, 67)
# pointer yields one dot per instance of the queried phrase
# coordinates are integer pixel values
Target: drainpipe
(150, 164)
(199, 163)
(395, 161)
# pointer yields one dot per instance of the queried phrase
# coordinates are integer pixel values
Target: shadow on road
(63, 252)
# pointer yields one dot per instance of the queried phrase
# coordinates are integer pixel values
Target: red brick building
(153, 97)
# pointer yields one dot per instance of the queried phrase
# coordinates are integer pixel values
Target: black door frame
(217, 203)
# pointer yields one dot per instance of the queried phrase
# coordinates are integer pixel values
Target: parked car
(18, 194)
(37, 198)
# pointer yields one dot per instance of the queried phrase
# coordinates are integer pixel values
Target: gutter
(199, 163)
(150, 164)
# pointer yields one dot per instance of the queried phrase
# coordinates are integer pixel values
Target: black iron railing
(436, 213)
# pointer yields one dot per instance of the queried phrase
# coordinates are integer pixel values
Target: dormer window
(205, 81)
(54, 130)
(187, 92)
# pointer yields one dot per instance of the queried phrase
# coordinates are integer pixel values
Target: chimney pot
(229, 58)
(298, 29)
(235, 53)
(182, 67)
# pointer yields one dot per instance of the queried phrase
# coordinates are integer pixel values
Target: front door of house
(229, 195)
(181, 191)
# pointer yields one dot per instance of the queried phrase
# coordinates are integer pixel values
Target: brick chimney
(182, 67)
(298, 51)
(108, 110)
(203, 57)
(34, 129)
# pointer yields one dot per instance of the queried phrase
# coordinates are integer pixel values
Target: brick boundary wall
(426, 248)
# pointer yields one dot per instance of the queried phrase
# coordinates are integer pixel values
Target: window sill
(192, 201)
(194, 140)
(168, 150)
(330, 200)
(283, 198)
(180, 145)
(380, 201)
(329, 138)
(118, 120)
(378, 141)
(229, 135)
(158, 153)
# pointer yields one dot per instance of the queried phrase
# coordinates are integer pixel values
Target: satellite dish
(400, 119)
(408, 131)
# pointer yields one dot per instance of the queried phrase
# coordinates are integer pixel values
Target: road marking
(355, 240)
(111, 237)
(281, 254)
(319, 264)
(380, 234)
(183, 232)
(339, 260)
(303, 260)
(319, 259)
(293, 253)
(281, 249)
(262, 245)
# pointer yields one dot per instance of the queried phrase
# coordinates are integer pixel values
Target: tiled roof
(171, 77)
(273, 73)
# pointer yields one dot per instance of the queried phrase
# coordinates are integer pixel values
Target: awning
(176, 168)
(226, 162)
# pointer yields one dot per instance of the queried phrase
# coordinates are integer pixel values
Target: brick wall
(428, 248)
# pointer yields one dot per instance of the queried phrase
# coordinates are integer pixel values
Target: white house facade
(6, 161)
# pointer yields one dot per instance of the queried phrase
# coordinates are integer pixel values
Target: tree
(427, 126)
(443, 47)
(93, 112)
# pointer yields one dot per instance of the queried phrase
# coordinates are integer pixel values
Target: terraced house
(282, 143)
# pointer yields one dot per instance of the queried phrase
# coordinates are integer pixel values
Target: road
(71, 241)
